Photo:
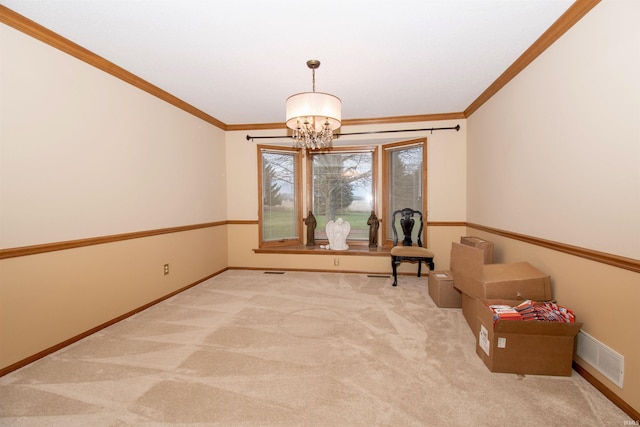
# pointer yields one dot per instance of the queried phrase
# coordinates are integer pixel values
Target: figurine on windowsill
(337, 232)
(310, 222)
(374, 223)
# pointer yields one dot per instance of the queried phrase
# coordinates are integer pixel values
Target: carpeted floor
(247, 348)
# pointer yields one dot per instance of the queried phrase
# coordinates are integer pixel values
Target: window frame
(387, 149)
(373, 149)
(297, 192)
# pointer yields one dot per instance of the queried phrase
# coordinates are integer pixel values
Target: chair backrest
(407, 223)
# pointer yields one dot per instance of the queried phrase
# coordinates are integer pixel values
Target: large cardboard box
(470, 312)
(515, 281)
(524, 347)
(441, 290)
(479, 243)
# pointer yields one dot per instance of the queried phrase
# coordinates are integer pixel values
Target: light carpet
(249, 348)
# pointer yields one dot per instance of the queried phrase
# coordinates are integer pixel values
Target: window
(405, 182)
(279, 188)
(341, 185)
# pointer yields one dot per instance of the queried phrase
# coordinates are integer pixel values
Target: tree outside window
(280, 217)
(342, 187)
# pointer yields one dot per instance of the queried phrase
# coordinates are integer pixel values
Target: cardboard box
(479, 243)
(516, 281)
(470, 313)
(524, 347)
(441, 290)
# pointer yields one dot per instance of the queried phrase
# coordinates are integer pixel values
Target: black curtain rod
(456, 128)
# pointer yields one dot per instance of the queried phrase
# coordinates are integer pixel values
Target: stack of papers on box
(547, 311)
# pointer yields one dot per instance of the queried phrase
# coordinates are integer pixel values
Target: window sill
(356, 250)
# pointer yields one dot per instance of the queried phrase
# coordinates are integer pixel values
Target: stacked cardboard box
(479, 243)
(476, 280)
(536, 347)
(442, 289)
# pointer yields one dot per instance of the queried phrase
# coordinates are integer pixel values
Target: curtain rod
(456, 128)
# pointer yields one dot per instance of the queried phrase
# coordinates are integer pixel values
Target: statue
(337, 233)
(374, 223)
(310, 222)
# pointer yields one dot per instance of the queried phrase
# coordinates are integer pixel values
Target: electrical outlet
(336, 262)
(166, 269)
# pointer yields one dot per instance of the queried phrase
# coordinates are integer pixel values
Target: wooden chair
(407, 251)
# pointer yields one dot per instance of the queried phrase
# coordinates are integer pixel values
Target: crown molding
(37, 31)
(568, 19)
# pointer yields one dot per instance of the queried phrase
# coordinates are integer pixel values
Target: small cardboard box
(516, 281)
(441, 290)
(524, 347)
(479, 243)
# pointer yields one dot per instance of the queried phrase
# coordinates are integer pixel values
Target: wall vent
(607, 361)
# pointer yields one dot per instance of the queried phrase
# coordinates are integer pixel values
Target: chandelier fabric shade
(313, 116)
(313, 107)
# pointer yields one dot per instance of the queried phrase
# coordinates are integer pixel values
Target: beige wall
(555, 155)
(83, 154)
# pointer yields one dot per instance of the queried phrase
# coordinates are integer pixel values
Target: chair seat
(411, 251)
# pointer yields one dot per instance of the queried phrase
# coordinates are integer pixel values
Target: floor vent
(274, 272)
(607, 361)
(378, 276)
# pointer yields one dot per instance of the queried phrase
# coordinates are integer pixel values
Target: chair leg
(419, 268)
(394, 267)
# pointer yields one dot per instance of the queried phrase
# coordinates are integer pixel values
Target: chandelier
(313, 116)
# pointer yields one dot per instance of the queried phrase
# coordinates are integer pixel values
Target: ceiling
(238, 60)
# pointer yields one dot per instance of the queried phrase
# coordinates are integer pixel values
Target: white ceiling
(238, 60)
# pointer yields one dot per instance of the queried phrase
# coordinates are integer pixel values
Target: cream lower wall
(243, 238)
(603, 297)
(48, 298)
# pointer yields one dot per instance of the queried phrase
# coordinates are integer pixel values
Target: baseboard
(614, 398)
